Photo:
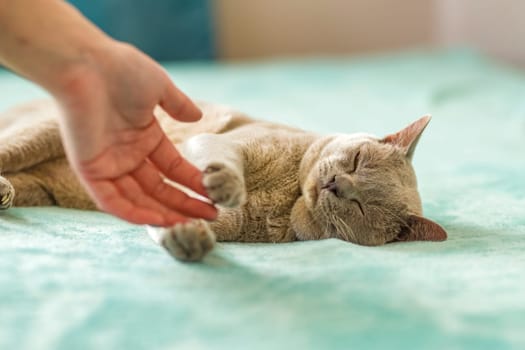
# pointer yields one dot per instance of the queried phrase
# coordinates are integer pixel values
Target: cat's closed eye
(358, 204)
(356, 162)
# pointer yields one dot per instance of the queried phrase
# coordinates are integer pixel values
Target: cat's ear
(421, 229)
(408, 138)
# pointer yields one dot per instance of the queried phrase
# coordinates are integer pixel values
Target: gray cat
(272, 183)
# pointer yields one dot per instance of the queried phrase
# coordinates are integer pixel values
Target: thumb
(178, 105)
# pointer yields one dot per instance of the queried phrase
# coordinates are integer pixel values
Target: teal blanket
(84, 280)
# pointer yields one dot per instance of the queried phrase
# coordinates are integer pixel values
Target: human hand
(116, 146)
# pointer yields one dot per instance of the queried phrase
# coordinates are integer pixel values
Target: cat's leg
(29, 135)
(7, 193)
(24, 148)
(48, 183)
(24, 190)
(189, 241)
(222, 164)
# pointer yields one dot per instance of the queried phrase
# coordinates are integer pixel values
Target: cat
(271, 182)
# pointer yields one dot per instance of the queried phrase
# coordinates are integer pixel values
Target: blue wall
(165, 29)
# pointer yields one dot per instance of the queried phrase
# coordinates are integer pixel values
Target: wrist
(78, 68)
(46, 49)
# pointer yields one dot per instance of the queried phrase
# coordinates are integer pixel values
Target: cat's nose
(341, 186)
(331, 186)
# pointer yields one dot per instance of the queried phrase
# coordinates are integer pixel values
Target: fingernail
(210, 213)
(174, 221)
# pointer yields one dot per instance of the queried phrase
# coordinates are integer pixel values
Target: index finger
(176, 168)
(178, 105)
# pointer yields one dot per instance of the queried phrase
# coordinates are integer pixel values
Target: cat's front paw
(224, 186)
(7, 193)
(190, 241)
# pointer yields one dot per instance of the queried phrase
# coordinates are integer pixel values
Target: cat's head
(363, 189)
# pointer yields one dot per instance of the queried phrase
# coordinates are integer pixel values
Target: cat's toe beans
(224, 186)
(7, 193)
(213, 168)
(190, 241)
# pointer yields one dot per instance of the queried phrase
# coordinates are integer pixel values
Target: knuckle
(158, 189)
(174, 164)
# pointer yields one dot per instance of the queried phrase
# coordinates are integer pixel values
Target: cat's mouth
(321, 193)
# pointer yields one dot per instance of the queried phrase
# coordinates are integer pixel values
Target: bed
(84, 280)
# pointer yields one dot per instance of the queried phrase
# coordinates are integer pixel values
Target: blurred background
(238, 30)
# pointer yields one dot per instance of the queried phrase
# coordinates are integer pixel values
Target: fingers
(178, 105)
(112, 199)
(149, 179)
(171, 163)
(147, 202)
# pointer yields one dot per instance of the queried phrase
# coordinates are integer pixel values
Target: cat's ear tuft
(421, 229)
(408, 138)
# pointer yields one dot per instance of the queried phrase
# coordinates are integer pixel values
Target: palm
(120, 152)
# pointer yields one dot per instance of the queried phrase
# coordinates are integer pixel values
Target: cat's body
(273, 183)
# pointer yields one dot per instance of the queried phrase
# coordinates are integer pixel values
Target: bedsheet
(84, 280)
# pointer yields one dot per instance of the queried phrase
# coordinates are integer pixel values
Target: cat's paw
(7, 193)
(190, 241)
(224, 186)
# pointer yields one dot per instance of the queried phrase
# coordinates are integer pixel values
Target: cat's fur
(272, 182)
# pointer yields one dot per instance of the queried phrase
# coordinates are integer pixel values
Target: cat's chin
(303, 223)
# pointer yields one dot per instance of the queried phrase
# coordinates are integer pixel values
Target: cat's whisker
(340, 230)
(335, 224)
(324, 215)
(348, 231)
(343, 229)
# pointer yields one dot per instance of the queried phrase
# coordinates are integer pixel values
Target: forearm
(43, 40)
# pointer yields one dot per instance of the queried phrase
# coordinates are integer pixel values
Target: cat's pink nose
(331, 186)
(341, 186)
